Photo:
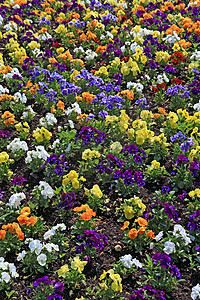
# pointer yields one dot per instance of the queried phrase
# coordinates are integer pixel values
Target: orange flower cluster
(128, 94)
(33, 88)
(6, 97)
(5, 69)
(190, 25)
(14, 227)
(23, 219)
(133, 233)
(88, 214)
(88, 97)
(9, 118)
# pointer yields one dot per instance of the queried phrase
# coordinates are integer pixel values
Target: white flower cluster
(48, 120)
(135, 46)
(179, 231)
(90, 55)
(36, 246)
(9, 271)
(141, 32)
(195, 292)
(15, 199)
(1, 20)
(75, 108)
(37, 52)
(3, 90)
(44, 36)
(171, 38)
(46, 190)
(79, 49)
(128, 261)
(17, 145)
(20, 97)
(52, 231)
(137, 86)
(161, 78)
(39, 153)
(29, 111)
(197, 106)
(195, 55)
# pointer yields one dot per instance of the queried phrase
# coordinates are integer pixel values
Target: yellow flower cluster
(146, 115)
(72, 177)
(133, 207)
(96, 191)
(116, 284)
(123, 121)
(160, 139)
(130, 66)
(196, 192)
(102, 70)
(19, 127)
(162, 56)
(141, 132)
(41, 134)
(32, 45)
(172, 119)
(155, 165)
(87, 154)
(4, 157)
(61, 29)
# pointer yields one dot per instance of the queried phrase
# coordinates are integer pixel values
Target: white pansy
(137, 263)
(5, 277)
(159, 236)
(195, 292)
(46, 190)
(60, 226)
(21, 255)
(36, 246)
(17, 145)
(20, 97)
(39, 153)
(169, 247)
(126, 261)
(55, 143)
(42, 258)
(15, 199)
(49, 234)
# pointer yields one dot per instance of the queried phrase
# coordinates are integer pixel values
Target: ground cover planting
(99, 149)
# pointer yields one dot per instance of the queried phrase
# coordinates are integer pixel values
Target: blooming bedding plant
(99, 149)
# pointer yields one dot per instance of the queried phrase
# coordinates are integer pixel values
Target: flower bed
(99, 150)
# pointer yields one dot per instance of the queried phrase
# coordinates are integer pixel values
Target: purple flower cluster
(109, 102)
(195, 85)
(4, 134)
(58, 287)
(164, 260)
(185, 146)
(18, 180)
(194, 166)
(91, 239)
(60, 164)
(149, 291)
(178, 136)
(68, 201)
(194, 221)
(129, 176)
(142, 102)
(170, 211)
(178, 91)
(89, 134)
